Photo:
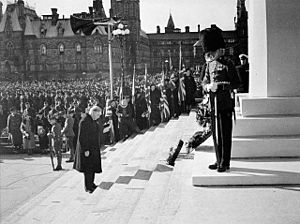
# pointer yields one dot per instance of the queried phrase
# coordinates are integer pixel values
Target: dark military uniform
(222, 70)
(243, 71)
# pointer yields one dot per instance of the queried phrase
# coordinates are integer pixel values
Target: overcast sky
(156, 12)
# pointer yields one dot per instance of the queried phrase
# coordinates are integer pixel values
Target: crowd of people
(51, 110)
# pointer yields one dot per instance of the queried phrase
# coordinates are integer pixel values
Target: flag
(180, 57)
(164, 101)
(181, 90)
(147, 91)
(165, 107)
(121, 89)
(170, 60)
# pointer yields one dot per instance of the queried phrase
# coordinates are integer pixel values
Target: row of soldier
(36, 105)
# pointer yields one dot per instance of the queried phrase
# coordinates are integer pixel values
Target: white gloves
(86, 153)
(212, 87)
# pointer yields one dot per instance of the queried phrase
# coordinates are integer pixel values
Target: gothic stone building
(166, 47)
(46, 47)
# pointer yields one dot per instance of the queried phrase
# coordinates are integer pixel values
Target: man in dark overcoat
(141, 110)
(243, 71)
(190, 89)
(13, 128)
(87, 156)
(155, 96)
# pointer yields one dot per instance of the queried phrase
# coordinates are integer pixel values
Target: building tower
(129, 12)
(241, 26)
(170, 26)
(98, 9)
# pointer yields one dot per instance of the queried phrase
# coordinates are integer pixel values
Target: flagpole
(110, 61)
(180, 57)
(170, 60)
(133, 84)
(146, 96)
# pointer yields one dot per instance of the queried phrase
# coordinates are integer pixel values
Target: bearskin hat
(211, 39)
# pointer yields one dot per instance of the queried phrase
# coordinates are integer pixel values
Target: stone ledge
(270, 125)
(266, 146)
(246, 172)
(257, 106)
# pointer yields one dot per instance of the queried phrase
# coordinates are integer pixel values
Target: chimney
(157, 29)
(198, 28)
(20, 2)
(187, 29)
(54, 16)
(213, 26)
(96, 6)
(91, 9)
(54, 11)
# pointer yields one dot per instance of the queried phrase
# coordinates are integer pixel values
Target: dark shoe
(222, 169)
(70, 161)
(90, 190)
(213, 166)
(58, 168)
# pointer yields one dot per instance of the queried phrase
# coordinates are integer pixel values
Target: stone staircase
(265, 148)
(135, 186)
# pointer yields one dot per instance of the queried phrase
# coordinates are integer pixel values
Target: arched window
(78, 48)
(61, 48)
(43, 49)
(10, 48)
(98, 47)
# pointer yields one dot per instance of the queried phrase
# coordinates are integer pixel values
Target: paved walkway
(137, 187)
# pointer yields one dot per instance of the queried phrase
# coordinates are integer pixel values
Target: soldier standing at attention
(243, 71)
(56, 140)
(220, 78)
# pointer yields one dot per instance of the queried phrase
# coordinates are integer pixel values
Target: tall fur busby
(211, 39)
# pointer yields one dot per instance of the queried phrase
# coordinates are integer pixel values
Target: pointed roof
(15, 21)
(3, 22)
(99, 9)
(171, 22)
(28, 28)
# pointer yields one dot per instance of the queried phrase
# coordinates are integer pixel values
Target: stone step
(266, 146)
(111, 207)
(59, 196)
(256, 106)
(245, 172)
(154, 197)
(268, 125)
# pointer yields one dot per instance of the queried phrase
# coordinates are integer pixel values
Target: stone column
(268, 122)
(274, 48)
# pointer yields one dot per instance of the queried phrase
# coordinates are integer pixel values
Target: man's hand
(212, 87)
(86, 153)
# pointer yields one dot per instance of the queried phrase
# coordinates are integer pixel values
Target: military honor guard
(220, 78)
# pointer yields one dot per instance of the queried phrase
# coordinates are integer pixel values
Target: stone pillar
(274, 48)
(268, 121)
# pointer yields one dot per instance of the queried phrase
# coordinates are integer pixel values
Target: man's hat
(211, 39)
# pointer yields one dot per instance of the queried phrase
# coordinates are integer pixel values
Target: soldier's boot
(59, 160)
(29, 151)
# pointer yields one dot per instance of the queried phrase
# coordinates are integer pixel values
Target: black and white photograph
(149, 111)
